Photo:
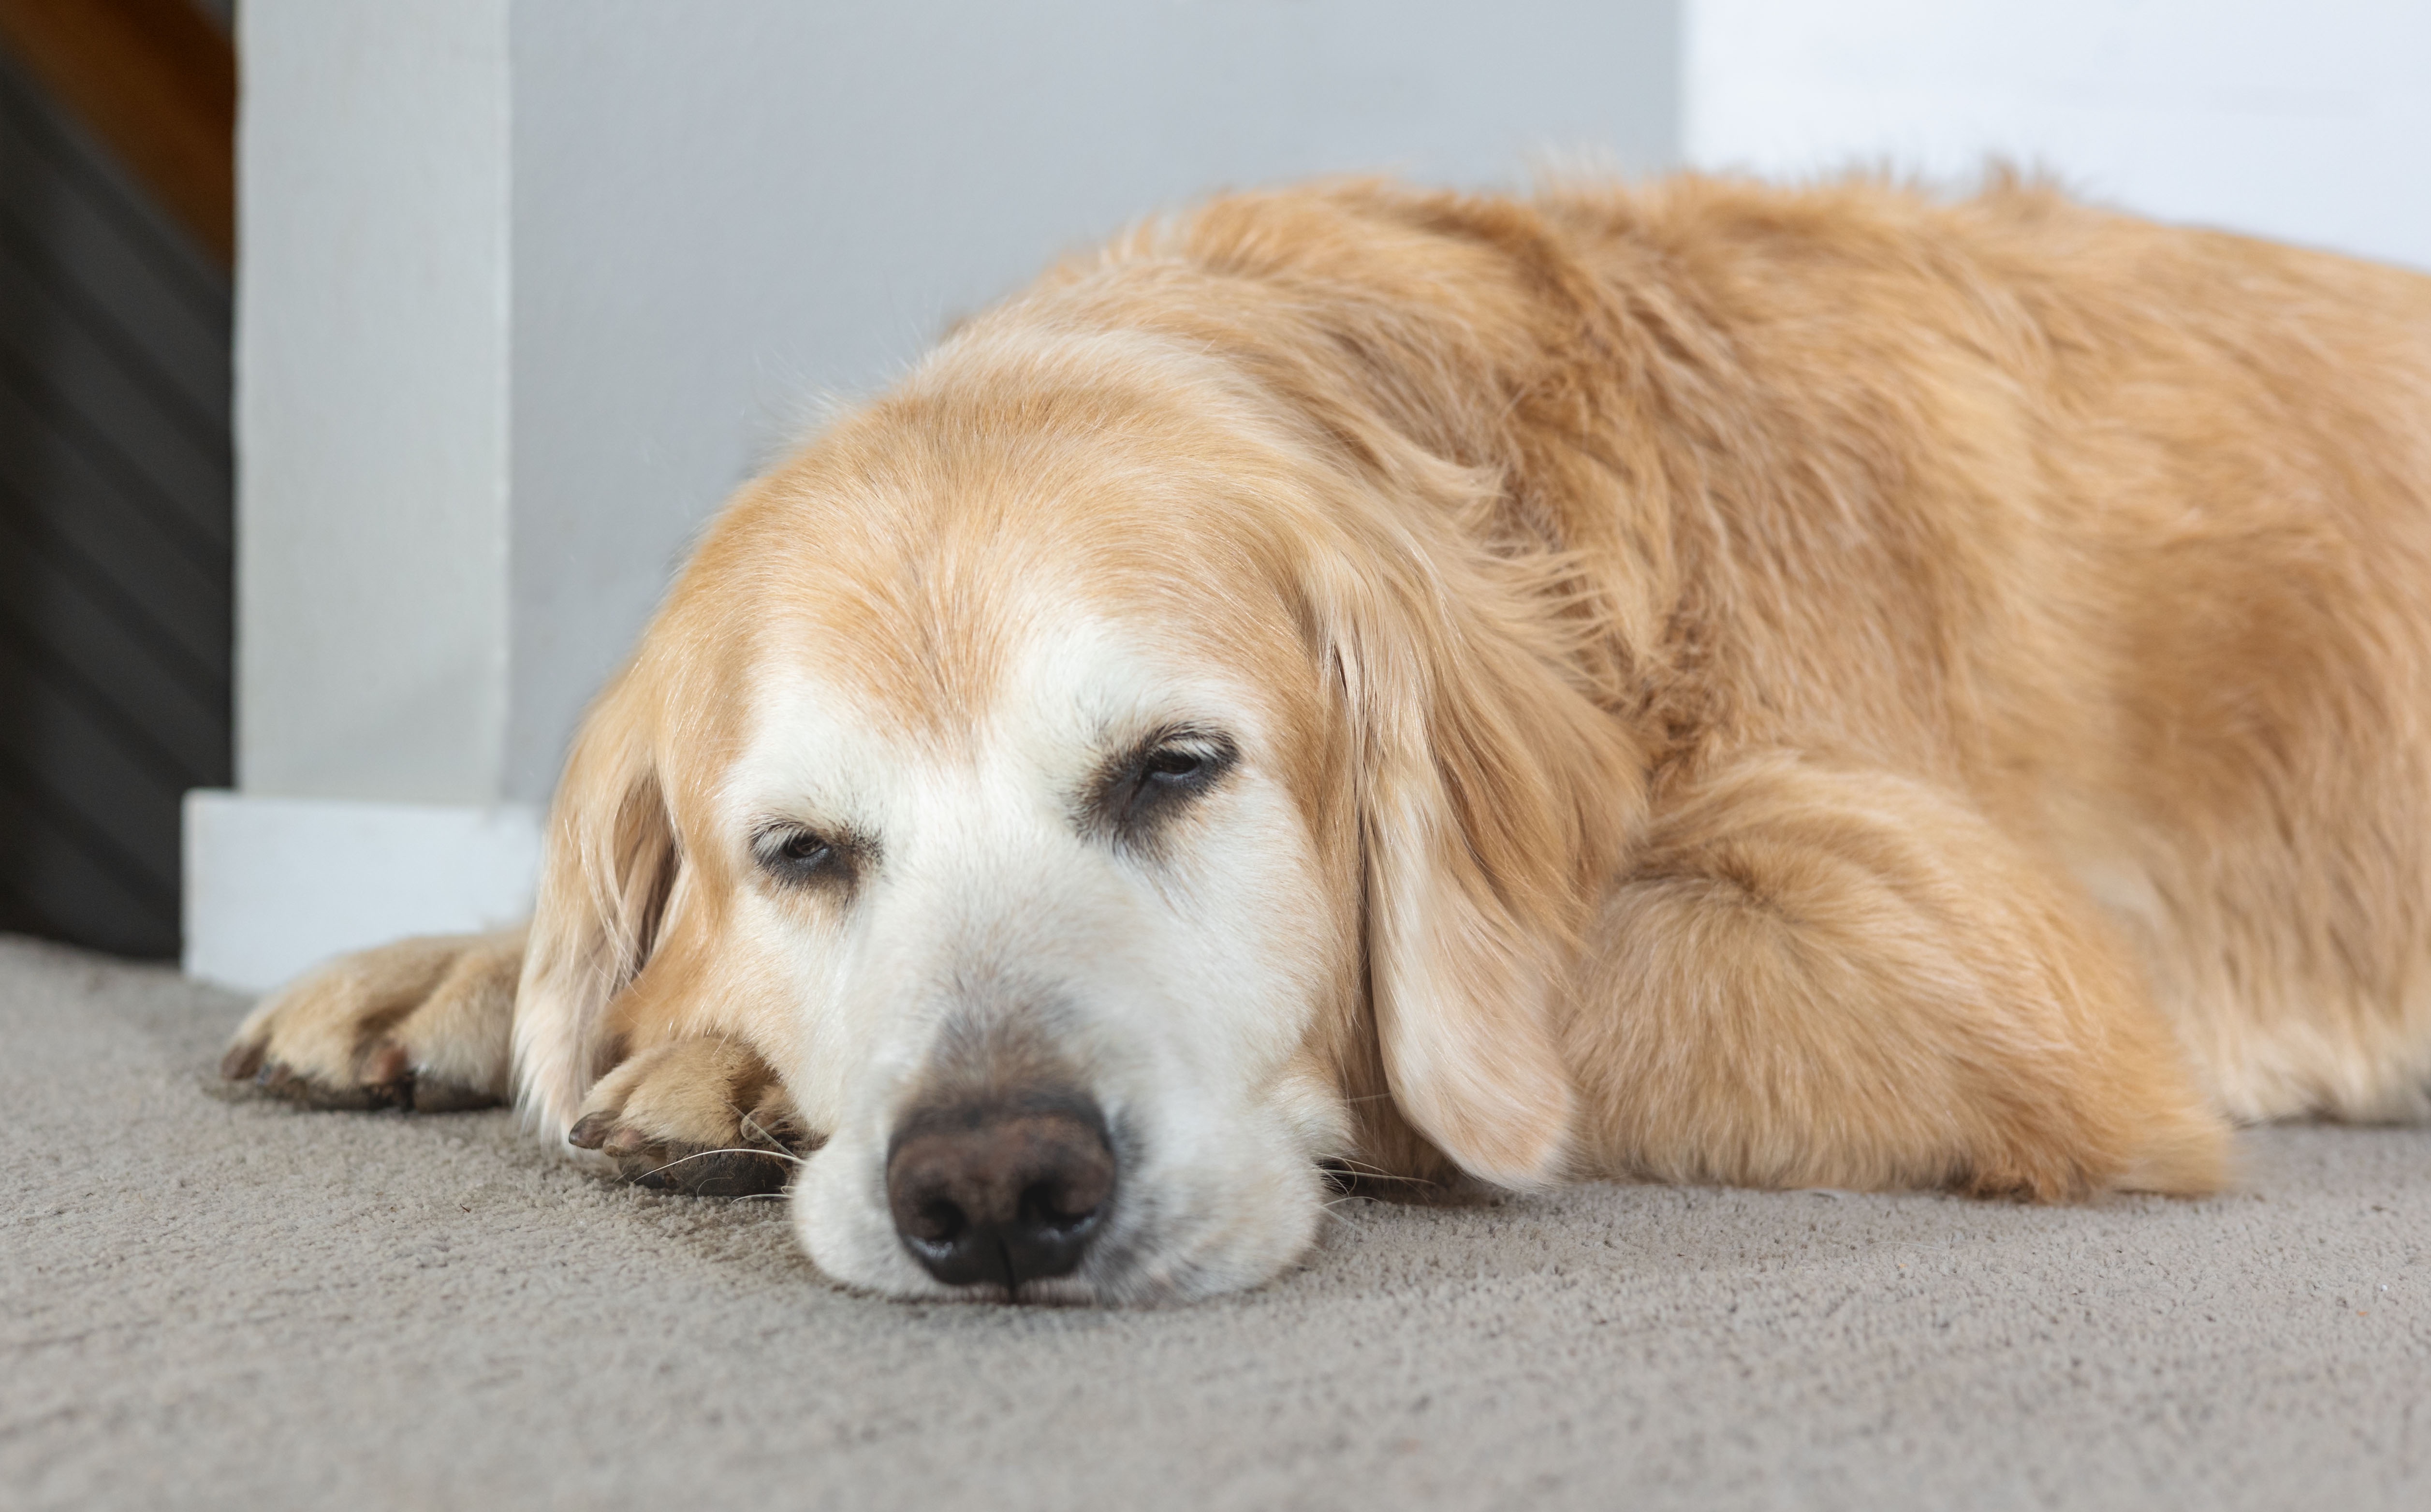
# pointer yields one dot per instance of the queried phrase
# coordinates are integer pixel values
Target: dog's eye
(1157, 778)
(794, 854)
(1173, 765)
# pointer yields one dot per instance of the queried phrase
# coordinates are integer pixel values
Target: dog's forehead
(1066, 623)
(1068, 688)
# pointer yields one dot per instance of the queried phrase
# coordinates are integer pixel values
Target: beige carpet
(207, 1303)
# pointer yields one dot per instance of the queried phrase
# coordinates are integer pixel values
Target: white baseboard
(277, 885)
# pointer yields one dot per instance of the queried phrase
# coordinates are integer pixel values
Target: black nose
(1003, 1189)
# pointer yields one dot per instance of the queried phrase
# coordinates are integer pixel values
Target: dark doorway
(116, 493)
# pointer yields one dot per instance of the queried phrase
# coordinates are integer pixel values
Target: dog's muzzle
(1003, 1188)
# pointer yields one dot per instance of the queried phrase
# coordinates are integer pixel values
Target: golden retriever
(1699, 682)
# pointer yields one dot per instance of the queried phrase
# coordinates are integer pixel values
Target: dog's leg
(428, 1023)
(703, 1115)
(1820, 978)
(424, 1024)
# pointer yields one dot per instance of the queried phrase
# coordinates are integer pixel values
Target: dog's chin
(1165, 1242)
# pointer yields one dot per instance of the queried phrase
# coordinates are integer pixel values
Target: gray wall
(372, 403)
(491, 392)
(721, 213)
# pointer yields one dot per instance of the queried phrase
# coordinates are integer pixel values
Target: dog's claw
(385, 1063)
(387, 1082)
(676, 1166)
(449, 1097)
(241, 1062)
(704, 1117)
(706, 1173)
(278, 1080)
(365, 1031)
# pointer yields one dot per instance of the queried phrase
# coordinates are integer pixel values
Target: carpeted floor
(215, 1304)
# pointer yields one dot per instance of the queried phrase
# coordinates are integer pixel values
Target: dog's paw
(702, 1115)
(424, 1025)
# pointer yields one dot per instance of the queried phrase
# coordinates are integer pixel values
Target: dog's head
(1108, 777)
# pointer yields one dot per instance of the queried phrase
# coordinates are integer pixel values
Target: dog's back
(2124, 529)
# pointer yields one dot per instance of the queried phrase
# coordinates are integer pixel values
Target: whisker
(1360, 1170)
(703, 1154)
(750, 1125)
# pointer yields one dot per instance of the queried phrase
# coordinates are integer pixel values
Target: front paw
(422, 1024)
(702, 1115)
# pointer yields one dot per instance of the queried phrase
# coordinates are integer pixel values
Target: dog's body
(1705, 682)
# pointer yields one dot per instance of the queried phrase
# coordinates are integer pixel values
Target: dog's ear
(1493, 795)
(610, 876)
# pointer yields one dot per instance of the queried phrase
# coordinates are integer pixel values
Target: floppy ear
(608, 878)
(1493, 794)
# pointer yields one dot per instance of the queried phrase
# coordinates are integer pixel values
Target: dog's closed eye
(796, 855)
(1138, 791)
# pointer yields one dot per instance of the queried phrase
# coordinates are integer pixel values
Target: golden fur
(1789, 687)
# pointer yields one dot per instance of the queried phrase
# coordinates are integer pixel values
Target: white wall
(2308, 121)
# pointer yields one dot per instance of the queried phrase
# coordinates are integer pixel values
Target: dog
(1696, 681)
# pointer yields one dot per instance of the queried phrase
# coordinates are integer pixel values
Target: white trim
(275, 884)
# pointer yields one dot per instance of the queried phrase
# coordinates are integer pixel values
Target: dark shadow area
(116, 501)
